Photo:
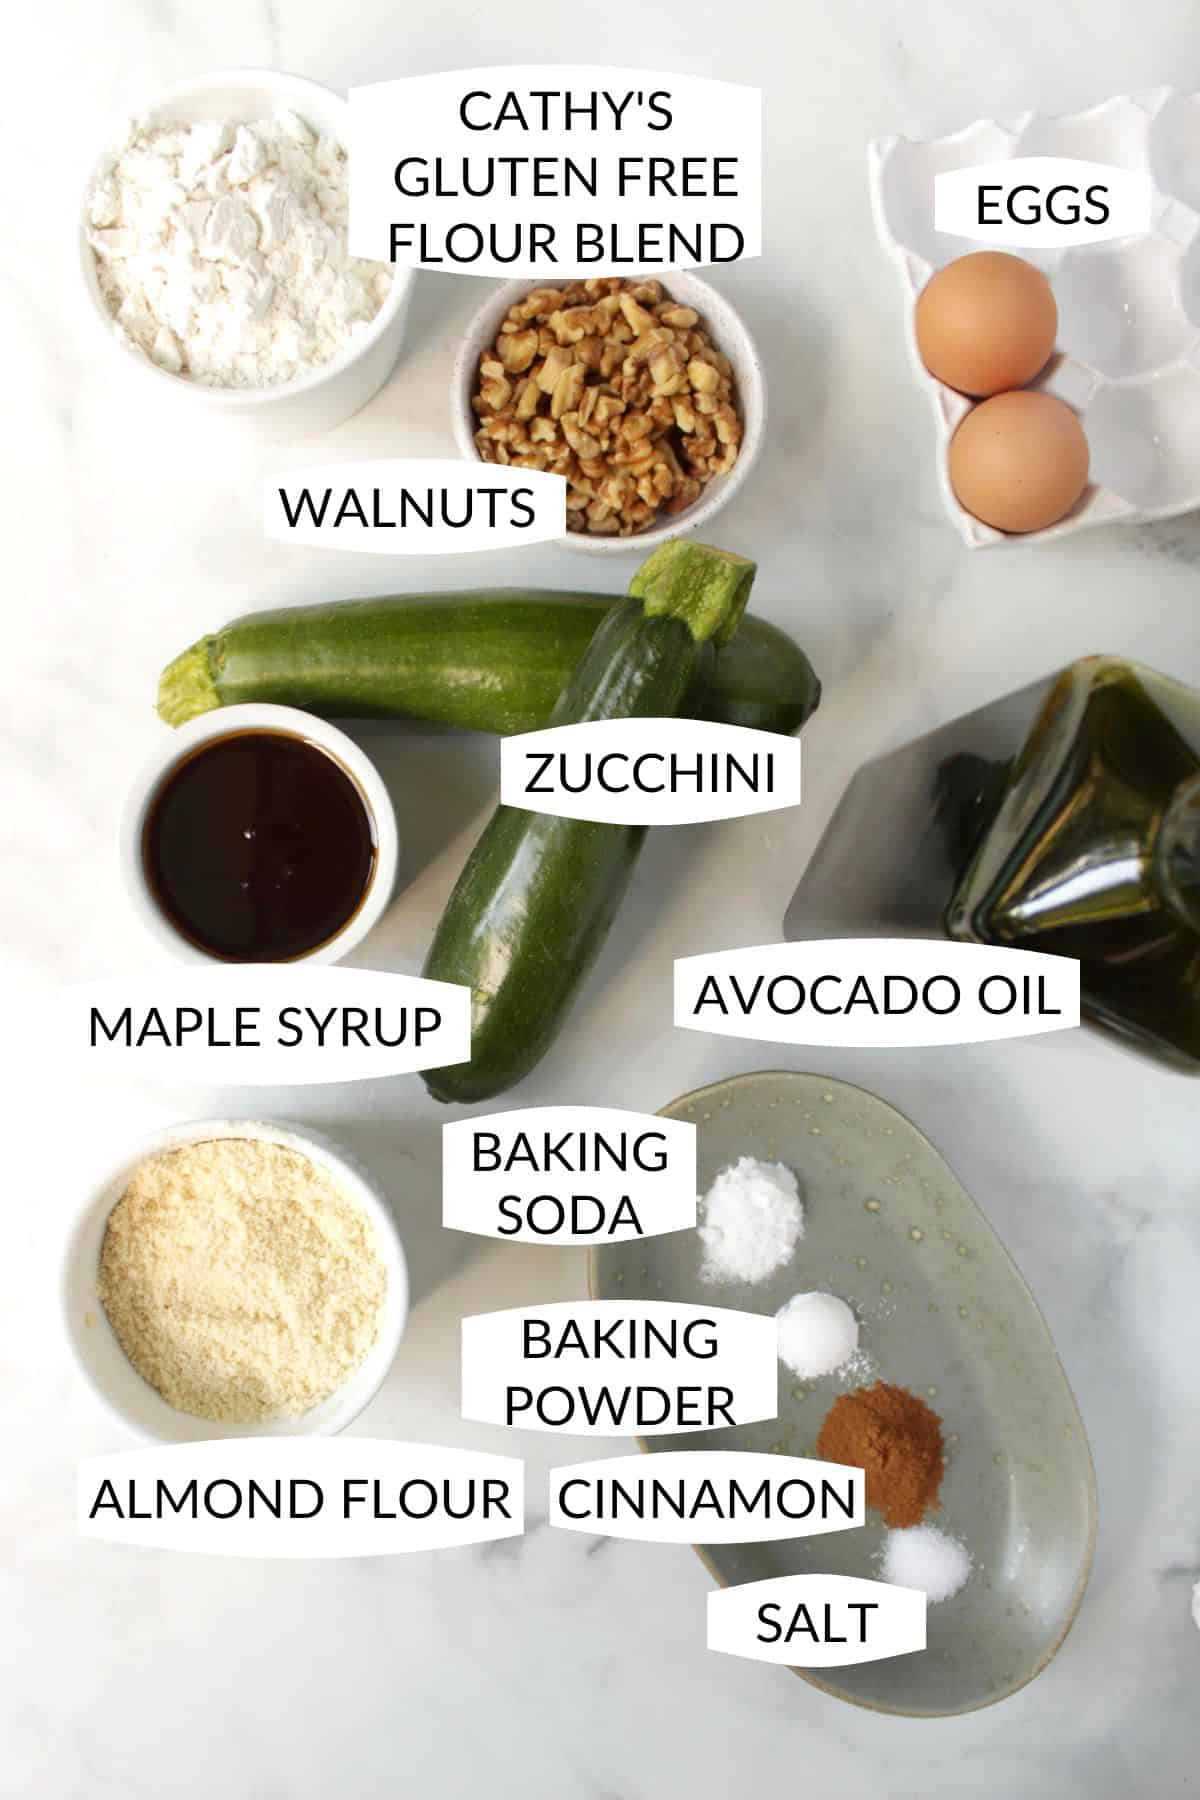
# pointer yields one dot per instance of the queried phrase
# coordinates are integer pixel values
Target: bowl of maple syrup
(259, 834)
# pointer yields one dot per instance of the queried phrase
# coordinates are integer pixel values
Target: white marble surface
(542, 1668)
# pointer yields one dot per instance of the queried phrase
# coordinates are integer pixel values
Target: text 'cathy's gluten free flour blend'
(240, 1281)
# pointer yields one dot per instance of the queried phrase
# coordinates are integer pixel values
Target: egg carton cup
(1128, 356)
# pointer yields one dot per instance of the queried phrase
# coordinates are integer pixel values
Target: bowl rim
(223, 721)
(103, 1193)
(289, 88)
(484, 322)
(693, 1097)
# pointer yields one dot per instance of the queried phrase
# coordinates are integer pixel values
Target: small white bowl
(728, 332)
(108, 1371)
(224, 721)
(340, 387)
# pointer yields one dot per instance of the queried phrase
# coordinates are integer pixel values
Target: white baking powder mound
(752, 1220)
(818, 1334)
(926, 1558)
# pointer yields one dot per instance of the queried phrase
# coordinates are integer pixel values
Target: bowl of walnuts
(647, 395)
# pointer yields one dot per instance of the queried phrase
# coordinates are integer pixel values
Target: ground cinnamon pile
(897, 1440)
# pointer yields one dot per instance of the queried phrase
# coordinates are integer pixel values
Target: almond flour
(240, 1281)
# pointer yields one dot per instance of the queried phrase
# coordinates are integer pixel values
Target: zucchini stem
(186, 686)
(704, 587)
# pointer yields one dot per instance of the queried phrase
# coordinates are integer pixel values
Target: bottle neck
(1177, 852)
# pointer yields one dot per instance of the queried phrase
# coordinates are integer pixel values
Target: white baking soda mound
(818, 1333)
(926, 1558)
(752, 1221)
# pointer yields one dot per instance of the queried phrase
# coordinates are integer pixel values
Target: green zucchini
(494, 660)
(538, 894)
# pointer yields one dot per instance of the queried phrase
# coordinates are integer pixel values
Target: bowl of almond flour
(234, 1278)
(214, 254)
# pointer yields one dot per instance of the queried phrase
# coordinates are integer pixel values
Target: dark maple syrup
(259, 847)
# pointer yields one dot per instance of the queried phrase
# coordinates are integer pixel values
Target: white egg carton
(1128, 357)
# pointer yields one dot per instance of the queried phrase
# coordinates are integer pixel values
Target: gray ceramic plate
(944, 1313)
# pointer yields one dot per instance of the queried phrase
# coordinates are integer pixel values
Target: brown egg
(1019, 461)
(986, 323)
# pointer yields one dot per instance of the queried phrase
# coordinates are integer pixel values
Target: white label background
(896, 1629)
(749, 1468)
(492, 1359)
(686, 739)
(663, 1201)
(918, 959)
(424, 479)
(66, 1019)
(328, 1461)
(956, 201)
(419, 116)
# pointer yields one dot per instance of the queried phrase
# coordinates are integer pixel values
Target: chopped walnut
(617, 387)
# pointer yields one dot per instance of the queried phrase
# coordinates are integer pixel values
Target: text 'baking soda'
(569, 1175)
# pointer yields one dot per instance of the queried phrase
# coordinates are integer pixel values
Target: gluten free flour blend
(239, 1280)
(221, 250)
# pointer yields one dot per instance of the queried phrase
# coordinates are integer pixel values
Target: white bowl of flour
(213, 252)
